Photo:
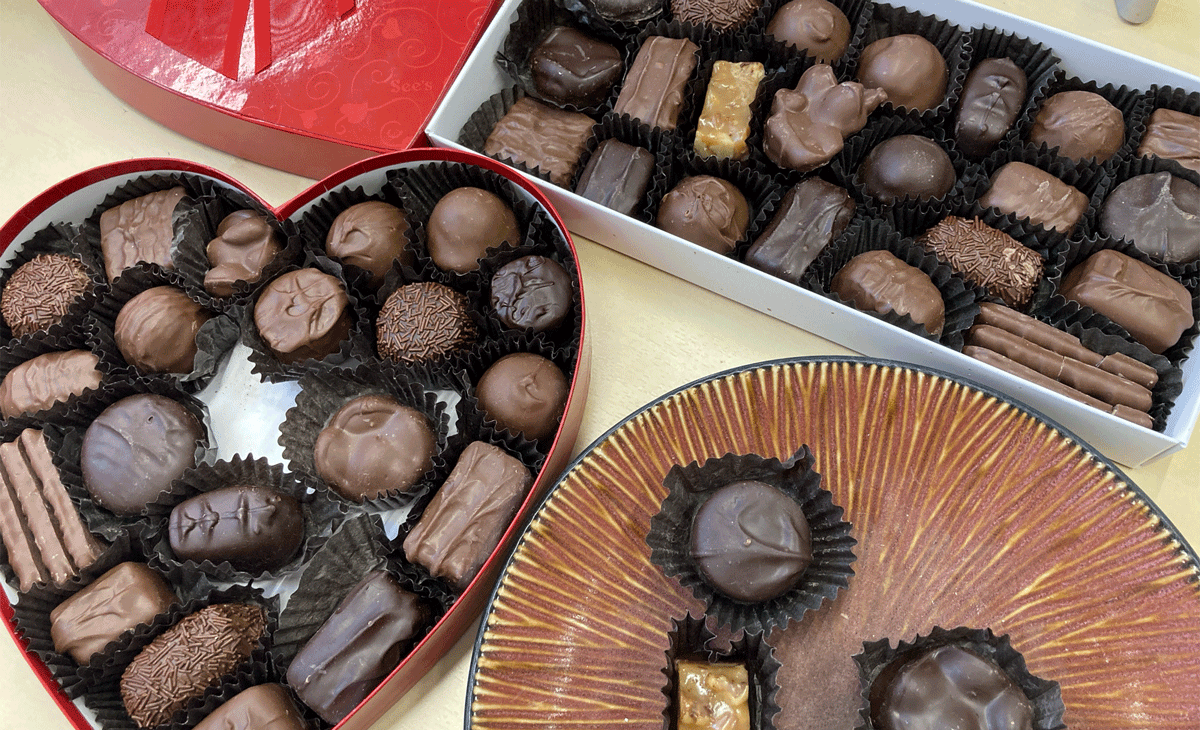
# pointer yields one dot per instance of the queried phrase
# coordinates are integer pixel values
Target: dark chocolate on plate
(127, 595)
(908, 67)
(303, 314)
(156, 330)
(812, 214)
(878, 281)
(816, 27)
(570, 67)
(52, 377)
(246, 243)
(991, 99)
(540, 136)
(1159, 213)
(464, 224)
(41, 291)
(706, 210)
(140, 230)
(261, 707)
(653, 91)
(616, 176)
(253, 528)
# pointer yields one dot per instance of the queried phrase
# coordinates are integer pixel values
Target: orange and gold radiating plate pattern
(968, 510)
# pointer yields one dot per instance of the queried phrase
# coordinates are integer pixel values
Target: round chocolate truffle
(533, 292)
(751, 542)
(370, 236)
(41, 290)
(422, 322)
(156, 330)
(253, 528)
(303, 314)
(909, 68)
(373, 445)
(464, 224)
(1159, 212)
(523, 393)
(723, 15)
(1082, 125)
(706, 210)
(907, 166)
(569, 67)
(816, 27)
(134, 449)
(246, 242)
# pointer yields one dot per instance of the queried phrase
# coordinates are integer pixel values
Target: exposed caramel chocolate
(422, 322)
(653, 88)
(370, 235)
(991, 99)
(1159, 213)
(1030, 192)
(541, 137)
(523, 393)
(724, 124)
(303, 314)
(720, 14)
(156, 330)
(373, 445)
(140, 230)
(1081, 124)
(118, 601)
(986, 257)
(570, 67)
(712, 695)
(245, 244)
(908, 67)
(816, 27)
(1173, 135)
(41, 291)
(812, 214)
(465, 224)
(880, 282)
(54, 377)
(706, 210)
(907, 166)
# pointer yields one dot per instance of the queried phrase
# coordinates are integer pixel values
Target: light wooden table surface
(649, 331)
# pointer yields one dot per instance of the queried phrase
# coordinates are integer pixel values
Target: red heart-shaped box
(308, 87)
(73, 199)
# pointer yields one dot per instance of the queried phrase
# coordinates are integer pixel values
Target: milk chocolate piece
(991, 99)
(140, 230)
(469, 514)
(712, 695)
(523, 393)
(464, 224)
(809, 125)
(253, 528)
(54, 377)
(878, 281)
(188, 658)
(1081, 124)
(123, 598)
(533, 292)
(370, 235)
(1029, 192)
(908, 67)
(724, 124)
(907, 166)
(1150, 305)
(626, 11)
(816, 27)
(653, 92)
(261, 707)
(720, 14)
(569, 67)
(706, 210)
(134, 450)
(541, 137)
(43, 534)
(41, 291)
(156, 330)
(986, 257)
(303, 314)
(1159, 213)
(616, 176)
(1174, 136)
(366, 637)
(373, 445)
(246, 243)
(422, 322)
(813, 213)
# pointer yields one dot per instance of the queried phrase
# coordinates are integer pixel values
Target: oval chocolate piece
(254, 528)
(991, 100)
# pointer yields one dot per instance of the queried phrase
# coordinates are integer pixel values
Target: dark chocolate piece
(373, 445)
(261, 707)
(991, 99)
(366, 637)
(123, 598)
(751, 542)
(1172, 135)
(422, 322)
(626, 11)
(908, 67)
(616, 176)
(719, 14)
(1081, 124)
(303, 314)
(54, 377)
(254, 528)
(370, 235)
(140, 230)
(812, 214)
(533, 292)
(986, 257)
(712, 695)
(41, 291)
(569, 67)
(469, 513)
(816, 27)
(246, 243)
(464, 224)
(907, 166)
(541, 137)
(706, 210)
(654, 86)
(134, 450)
(1159, 213)
(523, 393)
(156, 330)
(880, 282)
(1030, 192)
(724, 124)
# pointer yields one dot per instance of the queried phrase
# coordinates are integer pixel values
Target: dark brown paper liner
(691, 639)
(1127, 101)
(832, 546)
(878, 660)
(58, 238)
(781, 52)
(1163, 97)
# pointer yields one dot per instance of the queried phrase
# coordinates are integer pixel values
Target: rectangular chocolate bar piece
(126, 596)
(724, 123)
(654, 87)
(542, 137)
(617, 175)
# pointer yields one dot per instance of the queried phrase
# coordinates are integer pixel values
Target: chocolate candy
(54, 377)
(373, 445)
(253, 528)
(951, 687)
(262, 707)
(370, 235)
(706, 210)
(816, 27)
(1152, 306)
(991, 99)
(986, 257)
(907, 166)
(569, 67)
(140, 230)
(422, 322)
(123, 598)
(812, 214)
(156, 330)
(878, 281)
(809, 125)
(625, 11)
(1030, 192)
(712, 695)
(371, 630)
(616, 176)
(541, 137)
(1082, 125)
(188, 658)
(720, 14)
(246, 243)
(41, 291)
(469, 513)
(523, 393)
(134, 450)
(464, 224)
(1172, 135)
(44, 536)
(724, 124)
(750, 541)
(909, 68)
(303, 314)
(533, 292)
(1159, 213)
(653, 92)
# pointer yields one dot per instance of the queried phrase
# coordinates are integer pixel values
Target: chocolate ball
(569, 67)
(41, 291)
(706, 210)
(373, 445)
(156, 330)
(371, 236)
(533, 292)
(1082, 125)
(464, 224)
(909, 68)
(422, 322)
(303, 314)
(1159, 212)
(253, 528)
(816, 27)
(523, 393)
(907, 166)
(246, 243)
